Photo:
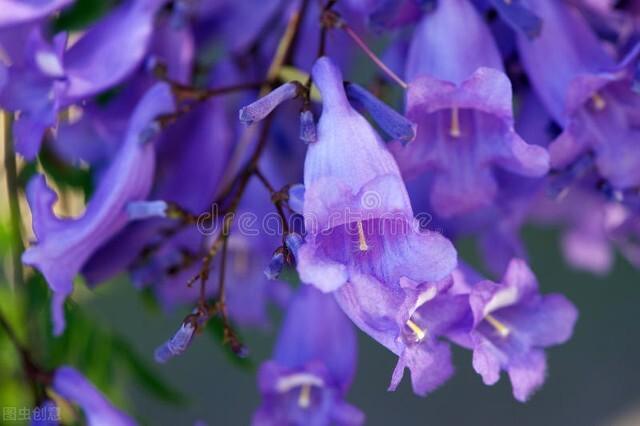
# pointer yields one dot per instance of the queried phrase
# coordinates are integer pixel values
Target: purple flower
(64, 245)
(512, 324)
(393, 123)
(16, 12)
(259, 109)
(71, 385)
(33, 85)
(181, 340)
(590, 96)
(518, 16)
(312, 366)
(462, 103)
(358, 217)
(49, 78)
(409, 320)
(98, 61)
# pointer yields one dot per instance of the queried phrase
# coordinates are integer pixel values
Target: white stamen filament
(420, 334)
(362, 241)
(285, 384)
(304, 400)
(502, 329)
(454, 131)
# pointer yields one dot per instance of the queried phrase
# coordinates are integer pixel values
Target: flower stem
(14, 206)
(392, 75)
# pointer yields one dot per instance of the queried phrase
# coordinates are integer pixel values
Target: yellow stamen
(455, 123)
(362, 241)
(502, 329)
(598, 102)
(420, 334)
(304, 400)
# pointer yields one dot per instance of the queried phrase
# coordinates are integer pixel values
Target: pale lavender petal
(74, 387)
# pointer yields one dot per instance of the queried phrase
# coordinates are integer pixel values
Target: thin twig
(342, 25)
(17, 246)
(276, 198)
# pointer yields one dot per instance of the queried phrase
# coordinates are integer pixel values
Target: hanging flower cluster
(235, 170)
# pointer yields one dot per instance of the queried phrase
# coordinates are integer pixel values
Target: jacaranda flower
(590, 96)
(64, 245)
(358, 217)
(312, 366)
(513, 324)
(462, 102)
(71, 385)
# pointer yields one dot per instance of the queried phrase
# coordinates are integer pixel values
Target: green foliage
(104, 357)
(82, 14)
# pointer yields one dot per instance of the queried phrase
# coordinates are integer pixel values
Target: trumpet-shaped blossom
(409, 320)
(64, 245)
(312, 366)
(586, 92)
(513, 324)
(462, 103)
(357, 213)
(71, 385)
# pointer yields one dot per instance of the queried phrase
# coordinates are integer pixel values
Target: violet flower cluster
(205, 126)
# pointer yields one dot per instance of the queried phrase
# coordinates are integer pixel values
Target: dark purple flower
(312, 366)
(462, 103)
(357, 212)
(74, 387)
(64, 245)
(512, 324)
(586, 92)
(390, 121)
(518, 16)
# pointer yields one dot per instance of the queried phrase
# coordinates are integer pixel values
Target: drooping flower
(312, 366)
(410, 320)
(590, 96)
(357, 213)
(462, 102)
(71, 385)
(513, 324)
(64, 245)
